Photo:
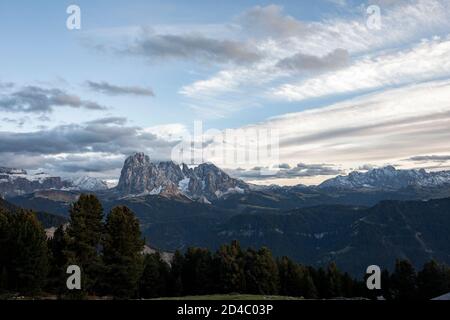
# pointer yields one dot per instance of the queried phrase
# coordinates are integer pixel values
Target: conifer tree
(28, 265)
(155, 277)
(4, 250)
(230, 268)
(84, 243)
(404, 281)
(295, 280)
(175, 279)
(334, 280)
(197, 272)
(58, 246)
(122, 253)
(433, 280)
(261, 272)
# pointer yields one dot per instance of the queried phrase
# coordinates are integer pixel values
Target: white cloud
(379, 128)
(377, 59)
(426, 61)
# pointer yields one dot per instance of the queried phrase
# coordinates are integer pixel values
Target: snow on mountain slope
(87, 184)
(388, 178)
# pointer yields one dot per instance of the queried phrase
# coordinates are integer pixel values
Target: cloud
(427, 61)
(378, 128)
(19, 121)
(98, 147)
(90, 137)
(432, 158)
(350, 56)
(6, 85)
(300, 62)
(339, 3)
(32, 99)
(271, 21)
(301, 170)
(110, 89)
(192, 47)
(109, 120)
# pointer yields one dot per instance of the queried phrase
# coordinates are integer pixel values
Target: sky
(341, 85)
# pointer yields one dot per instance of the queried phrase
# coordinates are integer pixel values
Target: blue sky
(338, 90)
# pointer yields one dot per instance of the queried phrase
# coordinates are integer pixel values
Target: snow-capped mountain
(18, 182)
(14, 182)
(87, 184)
(388, 178)
(205, 182)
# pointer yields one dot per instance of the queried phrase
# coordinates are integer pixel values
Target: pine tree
(261, 272)
(433, 280)
(404, 281)
(4, 250)
(321, 282)
(197, 272)
(334, 279)
(122, 253)
(85, 232)
(175, 279)
(58, 247)
(295, 280)
(347, 286)
(28, 265)
(229, 262)
(155, 277)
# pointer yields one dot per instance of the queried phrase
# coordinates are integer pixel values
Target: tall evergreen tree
(28, 265)
(85, 232)
(155, 277)
(433, 280)
(58, 246)
(261, 272)
(197, 272)
(229, 262)
(404, 281)
(175, 279)
(295, 280)
(334, 281)
(122, 253)
(4, 250)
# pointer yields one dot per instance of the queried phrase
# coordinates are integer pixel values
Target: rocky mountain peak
(138, 159)
(140, 176)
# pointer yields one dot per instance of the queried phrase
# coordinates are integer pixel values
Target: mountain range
(15, 182)
(363, 218)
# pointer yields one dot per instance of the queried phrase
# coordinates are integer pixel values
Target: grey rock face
(141, 176)
(15, 182)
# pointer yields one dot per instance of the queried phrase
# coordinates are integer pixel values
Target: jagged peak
(138, 158)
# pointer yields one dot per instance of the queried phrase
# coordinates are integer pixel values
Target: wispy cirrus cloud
(426, 61)
(430, 158)
(114, 90)
(381, 128)
(349, 56)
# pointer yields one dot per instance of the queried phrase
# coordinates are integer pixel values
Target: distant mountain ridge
(388, 178)
(14, 182)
